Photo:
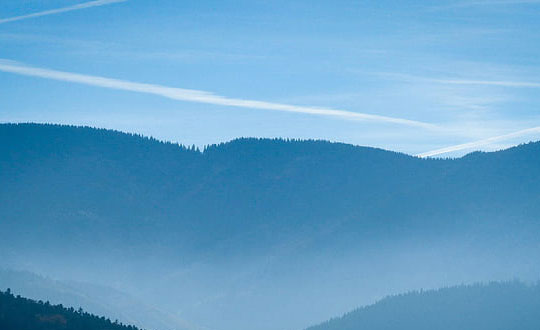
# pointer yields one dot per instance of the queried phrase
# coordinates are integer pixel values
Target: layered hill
(495, 306)
(18, 313)
(80, 186)
(95, 299)
(220, 236)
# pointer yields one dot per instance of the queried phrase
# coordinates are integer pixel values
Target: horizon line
(203, 147)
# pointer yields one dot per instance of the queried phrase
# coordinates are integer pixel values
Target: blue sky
(468, 69)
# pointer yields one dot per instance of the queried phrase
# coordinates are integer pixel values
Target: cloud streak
(480, 143)
(450, 81)
(198, 96)
(500, 83)
(84, 5)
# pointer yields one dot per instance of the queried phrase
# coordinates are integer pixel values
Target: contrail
(502, 83)
(479, 143)
(61, 10)
(199, 96)
(449, 81)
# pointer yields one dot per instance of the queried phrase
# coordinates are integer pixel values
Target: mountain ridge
(95, 299)
(232, 142)
(217, 237)
(488, 306)
(21, 313)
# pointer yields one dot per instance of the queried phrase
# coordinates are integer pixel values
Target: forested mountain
(220, 236)
(496, 306)
(60, 180)
(18, 313)
(95, 299)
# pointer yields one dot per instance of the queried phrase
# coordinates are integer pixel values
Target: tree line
(19, 313)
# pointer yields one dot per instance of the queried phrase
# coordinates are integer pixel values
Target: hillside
(496, 306)
(74, 183)
(95, 299)
(220, 236)
(17, 313)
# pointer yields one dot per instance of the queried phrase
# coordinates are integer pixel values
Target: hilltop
(493, 306)
(219, 236)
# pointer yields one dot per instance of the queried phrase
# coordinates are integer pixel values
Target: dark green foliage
(17, 313)
(497, 306)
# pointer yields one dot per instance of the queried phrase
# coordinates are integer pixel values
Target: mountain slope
(95, 299)
(17, 313)
(496, 306)
(221, 236)
(123, 185)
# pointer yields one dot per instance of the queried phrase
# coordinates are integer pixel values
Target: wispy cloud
(480, 143)
(501, 83)
(60, 10)
(455, 81)
(200, 96)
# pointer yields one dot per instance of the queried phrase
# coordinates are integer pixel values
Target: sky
(428, 78)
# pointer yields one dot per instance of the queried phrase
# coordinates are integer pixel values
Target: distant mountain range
(496, 306)
(221, 236)
(125, 189)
